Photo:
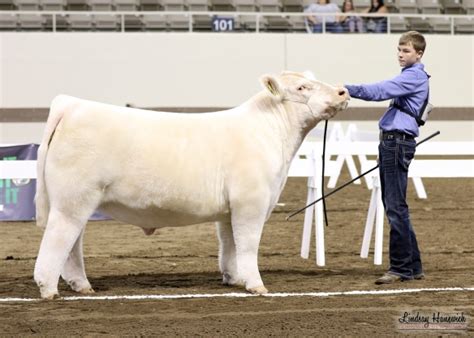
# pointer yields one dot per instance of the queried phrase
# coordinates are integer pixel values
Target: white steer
(156, 169)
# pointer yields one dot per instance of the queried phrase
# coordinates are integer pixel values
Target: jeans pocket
(407, 155)
(388, 156)
(389, 144)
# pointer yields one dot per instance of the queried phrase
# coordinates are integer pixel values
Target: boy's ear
(271, 84)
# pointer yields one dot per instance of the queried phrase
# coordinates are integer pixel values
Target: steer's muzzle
(339, 101)
(342, 99)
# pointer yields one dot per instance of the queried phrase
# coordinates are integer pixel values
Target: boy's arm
(401, 85)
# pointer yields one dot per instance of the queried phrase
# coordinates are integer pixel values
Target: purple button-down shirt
(409, 89)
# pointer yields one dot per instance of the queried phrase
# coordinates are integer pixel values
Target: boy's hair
(416, 39)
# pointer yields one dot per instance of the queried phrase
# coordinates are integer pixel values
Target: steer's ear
(272, 85)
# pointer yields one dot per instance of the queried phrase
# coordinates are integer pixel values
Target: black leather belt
(392, 135)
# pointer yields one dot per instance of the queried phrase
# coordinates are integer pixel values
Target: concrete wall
(211, 70)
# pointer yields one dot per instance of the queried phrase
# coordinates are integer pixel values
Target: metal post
(54, 22)
(452, 25)
(190, 17)
(122, 19)
(257, 24)
(388, 24)
(324, 25)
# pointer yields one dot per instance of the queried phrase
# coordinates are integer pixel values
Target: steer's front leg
(247, 233)
(227, 255)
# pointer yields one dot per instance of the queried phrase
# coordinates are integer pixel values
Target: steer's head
(321, 100)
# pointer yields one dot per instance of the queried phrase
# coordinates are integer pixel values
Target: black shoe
(419, 276)
(388, 278)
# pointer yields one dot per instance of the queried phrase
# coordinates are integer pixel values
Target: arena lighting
(347, 183)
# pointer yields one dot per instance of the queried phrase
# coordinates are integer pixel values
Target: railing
(258, 23)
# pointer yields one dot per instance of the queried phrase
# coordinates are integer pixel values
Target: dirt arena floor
(121, 260)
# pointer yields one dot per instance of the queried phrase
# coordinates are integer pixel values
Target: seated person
(315, 21)
(350, 23)
(376, 24)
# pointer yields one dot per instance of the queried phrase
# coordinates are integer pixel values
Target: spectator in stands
(315, 22)
(376, 24)
(351, 23)
(409, 92)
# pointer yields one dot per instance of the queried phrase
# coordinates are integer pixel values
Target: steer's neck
(290, 121)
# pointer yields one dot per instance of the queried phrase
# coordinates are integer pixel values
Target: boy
(398, 129)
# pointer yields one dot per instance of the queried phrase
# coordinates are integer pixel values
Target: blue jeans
(395, 156)
(331, 27)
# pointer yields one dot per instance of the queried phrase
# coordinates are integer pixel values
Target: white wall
(208, 69)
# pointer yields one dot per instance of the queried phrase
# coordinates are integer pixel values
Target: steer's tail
(56, 113)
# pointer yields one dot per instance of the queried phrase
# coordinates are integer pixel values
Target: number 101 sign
(222, 24)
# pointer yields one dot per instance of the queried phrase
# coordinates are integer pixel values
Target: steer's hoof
(86, 291)
(259, 290)
(227, 279)
(49, 295)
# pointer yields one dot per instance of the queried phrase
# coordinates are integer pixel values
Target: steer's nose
(341, 91)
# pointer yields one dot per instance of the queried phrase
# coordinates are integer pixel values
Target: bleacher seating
(173, 5)
(453, 7)
(245, 22)
(80, 22)
(298, 23)
(440, 25)
(281, 22)
(126, 5)
(30, 21)
(420, 24)
(7, 5)
(78, 5)
(407, 6)
(468, 6)
(150, 5)
(53, 5)
(200, 22)
(177, 22)
(391, 6)
(292, 6)
(394, 6)
(223, 5)
(133, 22)
(153, 22)
(429, 6)
(27, 5)
(101, 5)
(106, 22)
(269, 5)
(8, 21)
(464, 25)
(398, 24)
(360, 5)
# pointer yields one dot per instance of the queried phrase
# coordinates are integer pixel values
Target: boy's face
(407, 55)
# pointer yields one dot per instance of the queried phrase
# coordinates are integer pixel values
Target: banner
(17, 195)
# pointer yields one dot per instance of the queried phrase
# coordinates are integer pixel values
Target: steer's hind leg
(59, 237)
(73, 271)
(227, 254)
(66, 221)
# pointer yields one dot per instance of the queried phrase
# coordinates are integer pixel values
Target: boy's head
(411, 47)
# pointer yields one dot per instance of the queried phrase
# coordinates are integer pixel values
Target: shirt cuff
(351, 89)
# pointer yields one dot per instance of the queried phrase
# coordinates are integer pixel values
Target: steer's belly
(155, 217)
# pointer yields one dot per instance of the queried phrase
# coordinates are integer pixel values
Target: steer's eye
(300, 88)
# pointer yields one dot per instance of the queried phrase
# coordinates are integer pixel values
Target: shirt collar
(415, 65)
